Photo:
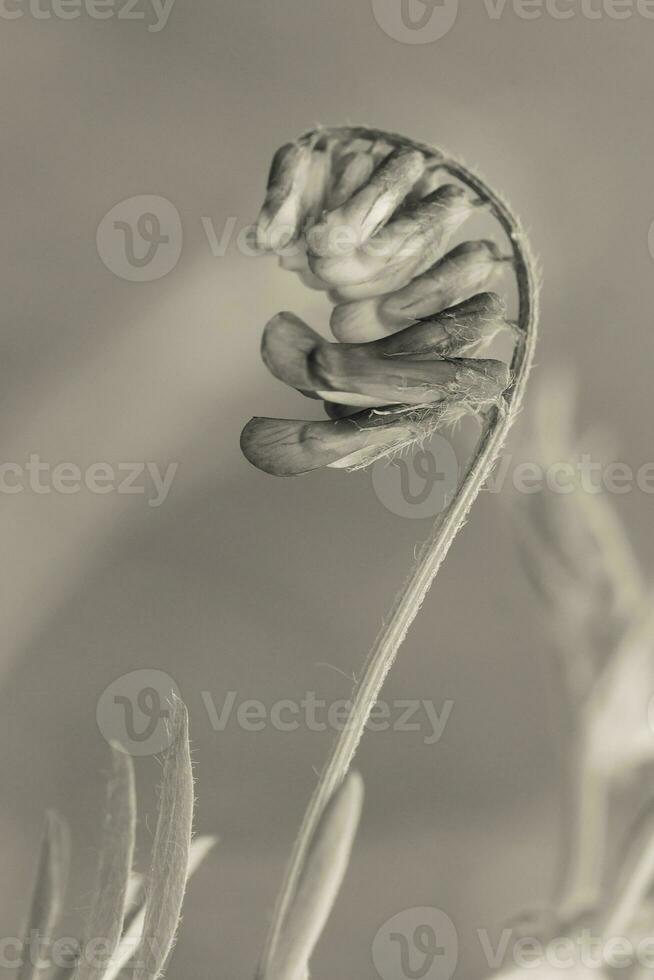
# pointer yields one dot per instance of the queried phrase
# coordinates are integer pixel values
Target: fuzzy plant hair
(370, 217)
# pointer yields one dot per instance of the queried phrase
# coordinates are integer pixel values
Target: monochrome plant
(370, 217)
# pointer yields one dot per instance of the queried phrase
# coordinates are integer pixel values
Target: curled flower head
(369, 217)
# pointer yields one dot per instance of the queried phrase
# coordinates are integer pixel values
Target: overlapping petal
(468, 268)
(288, 447)
(402, 249)
(369, 217)
(414, 367)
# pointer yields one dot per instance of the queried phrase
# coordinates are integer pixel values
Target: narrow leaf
(170, 853)
(633, 886)
(134, 923)
(323, 874)
(49, 886)
(105, 923)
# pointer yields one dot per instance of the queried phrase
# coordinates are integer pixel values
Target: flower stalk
(496, 420)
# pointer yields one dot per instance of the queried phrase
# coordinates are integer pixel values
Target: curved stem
(433, 551)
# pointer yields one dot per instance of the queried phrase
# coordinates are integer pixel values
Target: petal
(374, 204)
(359, 322)
(286, 346)
(279, 219)
(294, 259)
(315, 190)
(430, 181)
(353, 374)
(335, 411)
(405, 248)
(285, 447)
(294, 256)
(404, 367)
(452, 332)
(354, 171)
(460, 274)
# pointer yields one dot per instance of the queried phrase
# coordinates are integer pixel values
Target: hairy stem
(432, 553)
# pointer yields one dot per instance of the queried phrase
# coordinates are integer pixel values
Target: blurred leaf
(49, 887)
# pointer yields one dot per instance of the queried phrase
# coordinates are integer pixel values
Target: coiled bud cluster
(370, 218)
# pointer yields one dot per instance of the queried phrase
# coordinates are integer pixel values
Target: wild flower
(370, 217)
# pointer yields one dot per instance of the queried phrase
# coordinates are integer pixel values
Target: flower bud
(370, 375)
(352, 173)
(315, 190)
(280, 216)
(373, 205)
(461, 273)
(405, 248)
(453, 332)
(369, 218)
(430, 181)
(294, 259)
(287, 344)
(284, 447)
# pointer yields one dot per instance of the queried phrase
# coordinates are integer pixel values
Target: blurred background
(236, 581)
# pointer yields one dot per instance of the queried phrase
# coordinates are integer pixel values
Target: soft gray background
(240, 582)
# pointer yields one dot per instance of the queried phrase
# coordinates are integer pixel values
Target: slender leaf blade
(170, 853)
(321, 880)
(49, 886)
(105, 922)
